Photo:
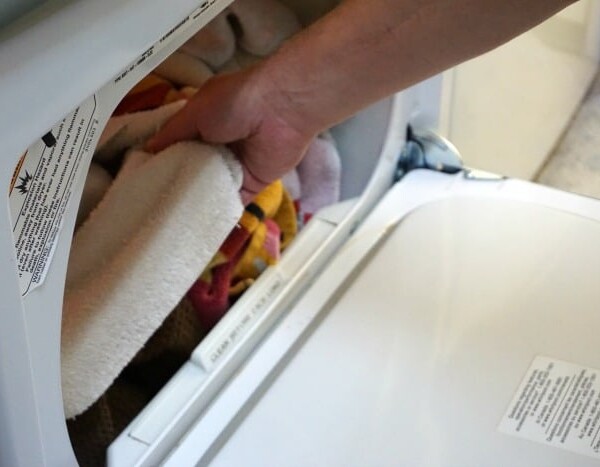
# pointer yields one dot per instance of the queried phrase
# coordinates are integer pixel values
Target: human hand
(245, 111)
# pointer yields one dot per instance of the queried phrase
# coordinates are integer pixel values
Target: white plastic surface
(10, 10)
(410, 347)
(52, 60)
(383, 127)
(93, 44)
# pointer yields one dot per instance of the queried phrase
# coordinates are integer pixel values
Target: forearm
(367, 49)
(362, 51)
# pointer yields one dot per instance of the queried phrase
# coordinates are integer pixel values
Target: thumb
(251, 185)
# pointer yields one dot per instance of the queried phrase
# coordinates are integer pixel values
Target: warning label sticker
(41, 190)
(558, 404)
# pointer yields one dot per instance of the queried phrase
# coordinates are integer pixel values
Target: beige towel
(135, 257)
(97, 182)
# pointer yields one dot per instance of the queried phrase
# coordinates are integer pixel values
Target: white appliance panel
(415, 356)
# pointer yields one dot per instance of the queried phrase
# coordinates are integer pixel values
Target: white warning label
(558, 404)
(41, 190)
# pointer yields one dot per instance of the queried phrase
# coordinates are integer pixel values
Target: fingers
(181, 127)
(251, 185)
(234, 110)
(214, 114)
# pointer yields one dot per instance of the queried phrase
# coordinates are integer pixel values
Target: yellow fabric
(148, 82)
(286, 219)
(277, 205)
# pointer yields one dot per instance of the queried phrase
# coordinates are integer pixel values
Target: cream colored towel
(97, 183)
(136, 256)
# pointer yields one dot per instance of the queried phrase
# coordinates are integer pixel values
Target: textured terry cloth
(214, 44)
(169, 347)
(184, 70)
(263, 25)
(97, 183)
(136, 256)
(125, 131)
(320, 176)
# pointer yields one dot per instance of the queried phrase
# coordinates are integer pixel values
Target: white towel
(97, 182)
(136, 256)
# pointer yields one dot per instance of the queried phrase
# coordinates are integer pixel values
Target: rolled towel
(214, 44)
(97, 183)
(128, 130)
(263, 24)
(136, 256)
(184, 70)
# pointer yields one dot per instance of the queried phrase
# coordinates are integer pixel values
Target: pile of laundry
(163, 246)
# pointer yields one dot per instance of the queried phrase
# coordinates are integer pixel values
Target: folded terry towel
(136, 256)
(263, 24)
(97, 182)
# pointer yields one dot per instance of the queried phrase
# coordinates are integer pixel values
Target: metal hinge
(425, 149)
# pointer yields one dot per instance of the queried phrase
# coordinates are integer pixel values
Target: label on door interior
(214, 348)
(557, 404)
(41, 189)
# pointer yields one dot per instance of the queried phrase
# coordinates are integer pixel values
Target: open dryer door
(458, 326)
(104, 49)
